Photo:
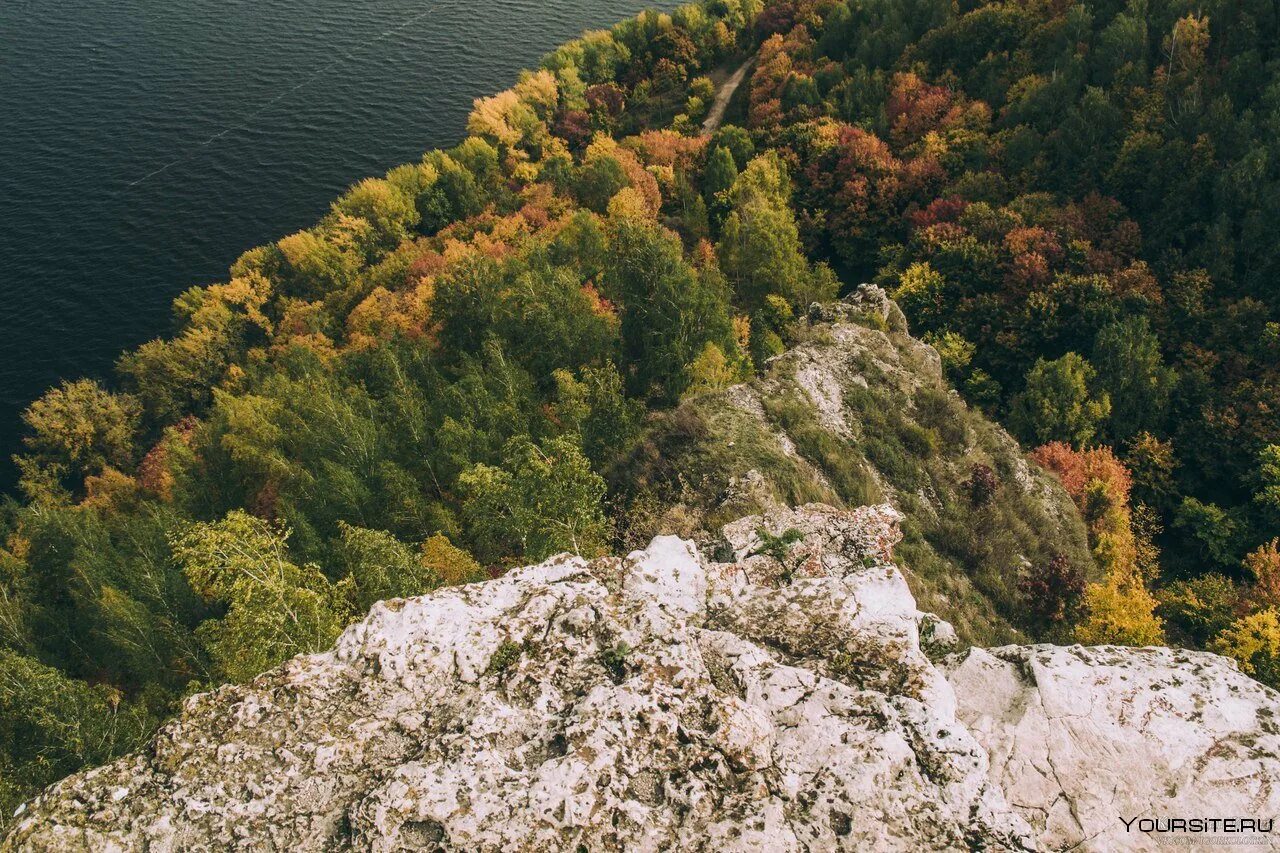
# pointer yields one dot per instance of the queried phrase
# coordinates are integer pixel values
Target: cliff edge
(782, 695)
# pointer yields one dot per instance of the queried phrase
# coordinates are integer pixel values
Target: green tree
(51, 726)
(1057, 405)
(920, 292)
(1254, 641)
(594, 405)
(581, 244)
(720, 174)
(549, 321)
(324, 260)
(108, 602)
(711, 371)
(377, 566)
(1214, 531)
(542, 500)
(311, 447)
(760, 250)
(692, 216)
(1123, 42)
(466, 303)
(1267, 496)
(176, 377)
(599, 180)
(1199, 609)
(670, 310)
(483, 161)
(1132, 373)
(718, 178)
(737, 141)
(275, 609)
(392, 214)
(492, 400)
(454, 195)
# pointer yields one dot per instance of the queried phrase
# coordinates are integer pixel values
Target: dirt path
(723, 97)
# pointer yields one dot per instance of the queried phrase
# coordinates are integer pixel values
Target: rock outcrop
(1085, 740)
(775, 696)
(858, 412)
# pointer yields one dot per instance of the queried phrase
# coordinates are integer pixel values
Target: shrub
(1057, 404)
(545, 499)
(981, 485)
(777, 546)
(449, 562)
(51, 725)
(275, 608)
(615, 661)
(711, 371)
(1051, 593)
(504, 657)
(1215, 531)
(1120, 611)
(1076, 469)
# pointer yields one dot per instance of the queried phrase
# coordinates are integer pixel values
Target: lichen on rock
(771, 693)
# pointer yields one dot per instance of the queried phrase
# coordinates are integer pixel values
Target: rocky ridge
(782, 692)
(859, 412)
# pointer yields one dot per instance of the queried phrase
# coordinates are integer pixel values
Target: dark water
(145, 143)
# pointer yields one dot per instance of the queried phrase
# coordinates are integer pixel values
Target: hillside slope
(777, 700)
(857, 413)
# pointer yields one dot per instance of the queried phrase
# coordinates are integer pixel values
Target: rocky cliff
(778, 690)
(858, 412)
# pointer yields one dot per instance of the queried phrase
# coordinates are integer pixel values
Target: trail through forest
(724, 96)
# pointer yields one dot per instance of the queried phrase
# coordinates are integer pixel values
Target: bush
(777, 547)
(1053, 592)
(545, 499)
(981, 485)
(1215, 532)
(51, 725)
(275, 608)
(506, 655)
(1263, 565)
(448, 562)
(1057, 404)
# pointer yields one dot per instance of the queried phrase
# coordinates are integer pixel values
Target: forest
(441, 378)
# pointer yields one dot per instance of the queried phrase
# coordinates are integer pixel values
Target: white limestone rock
(1083, 740)
(665, 701)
